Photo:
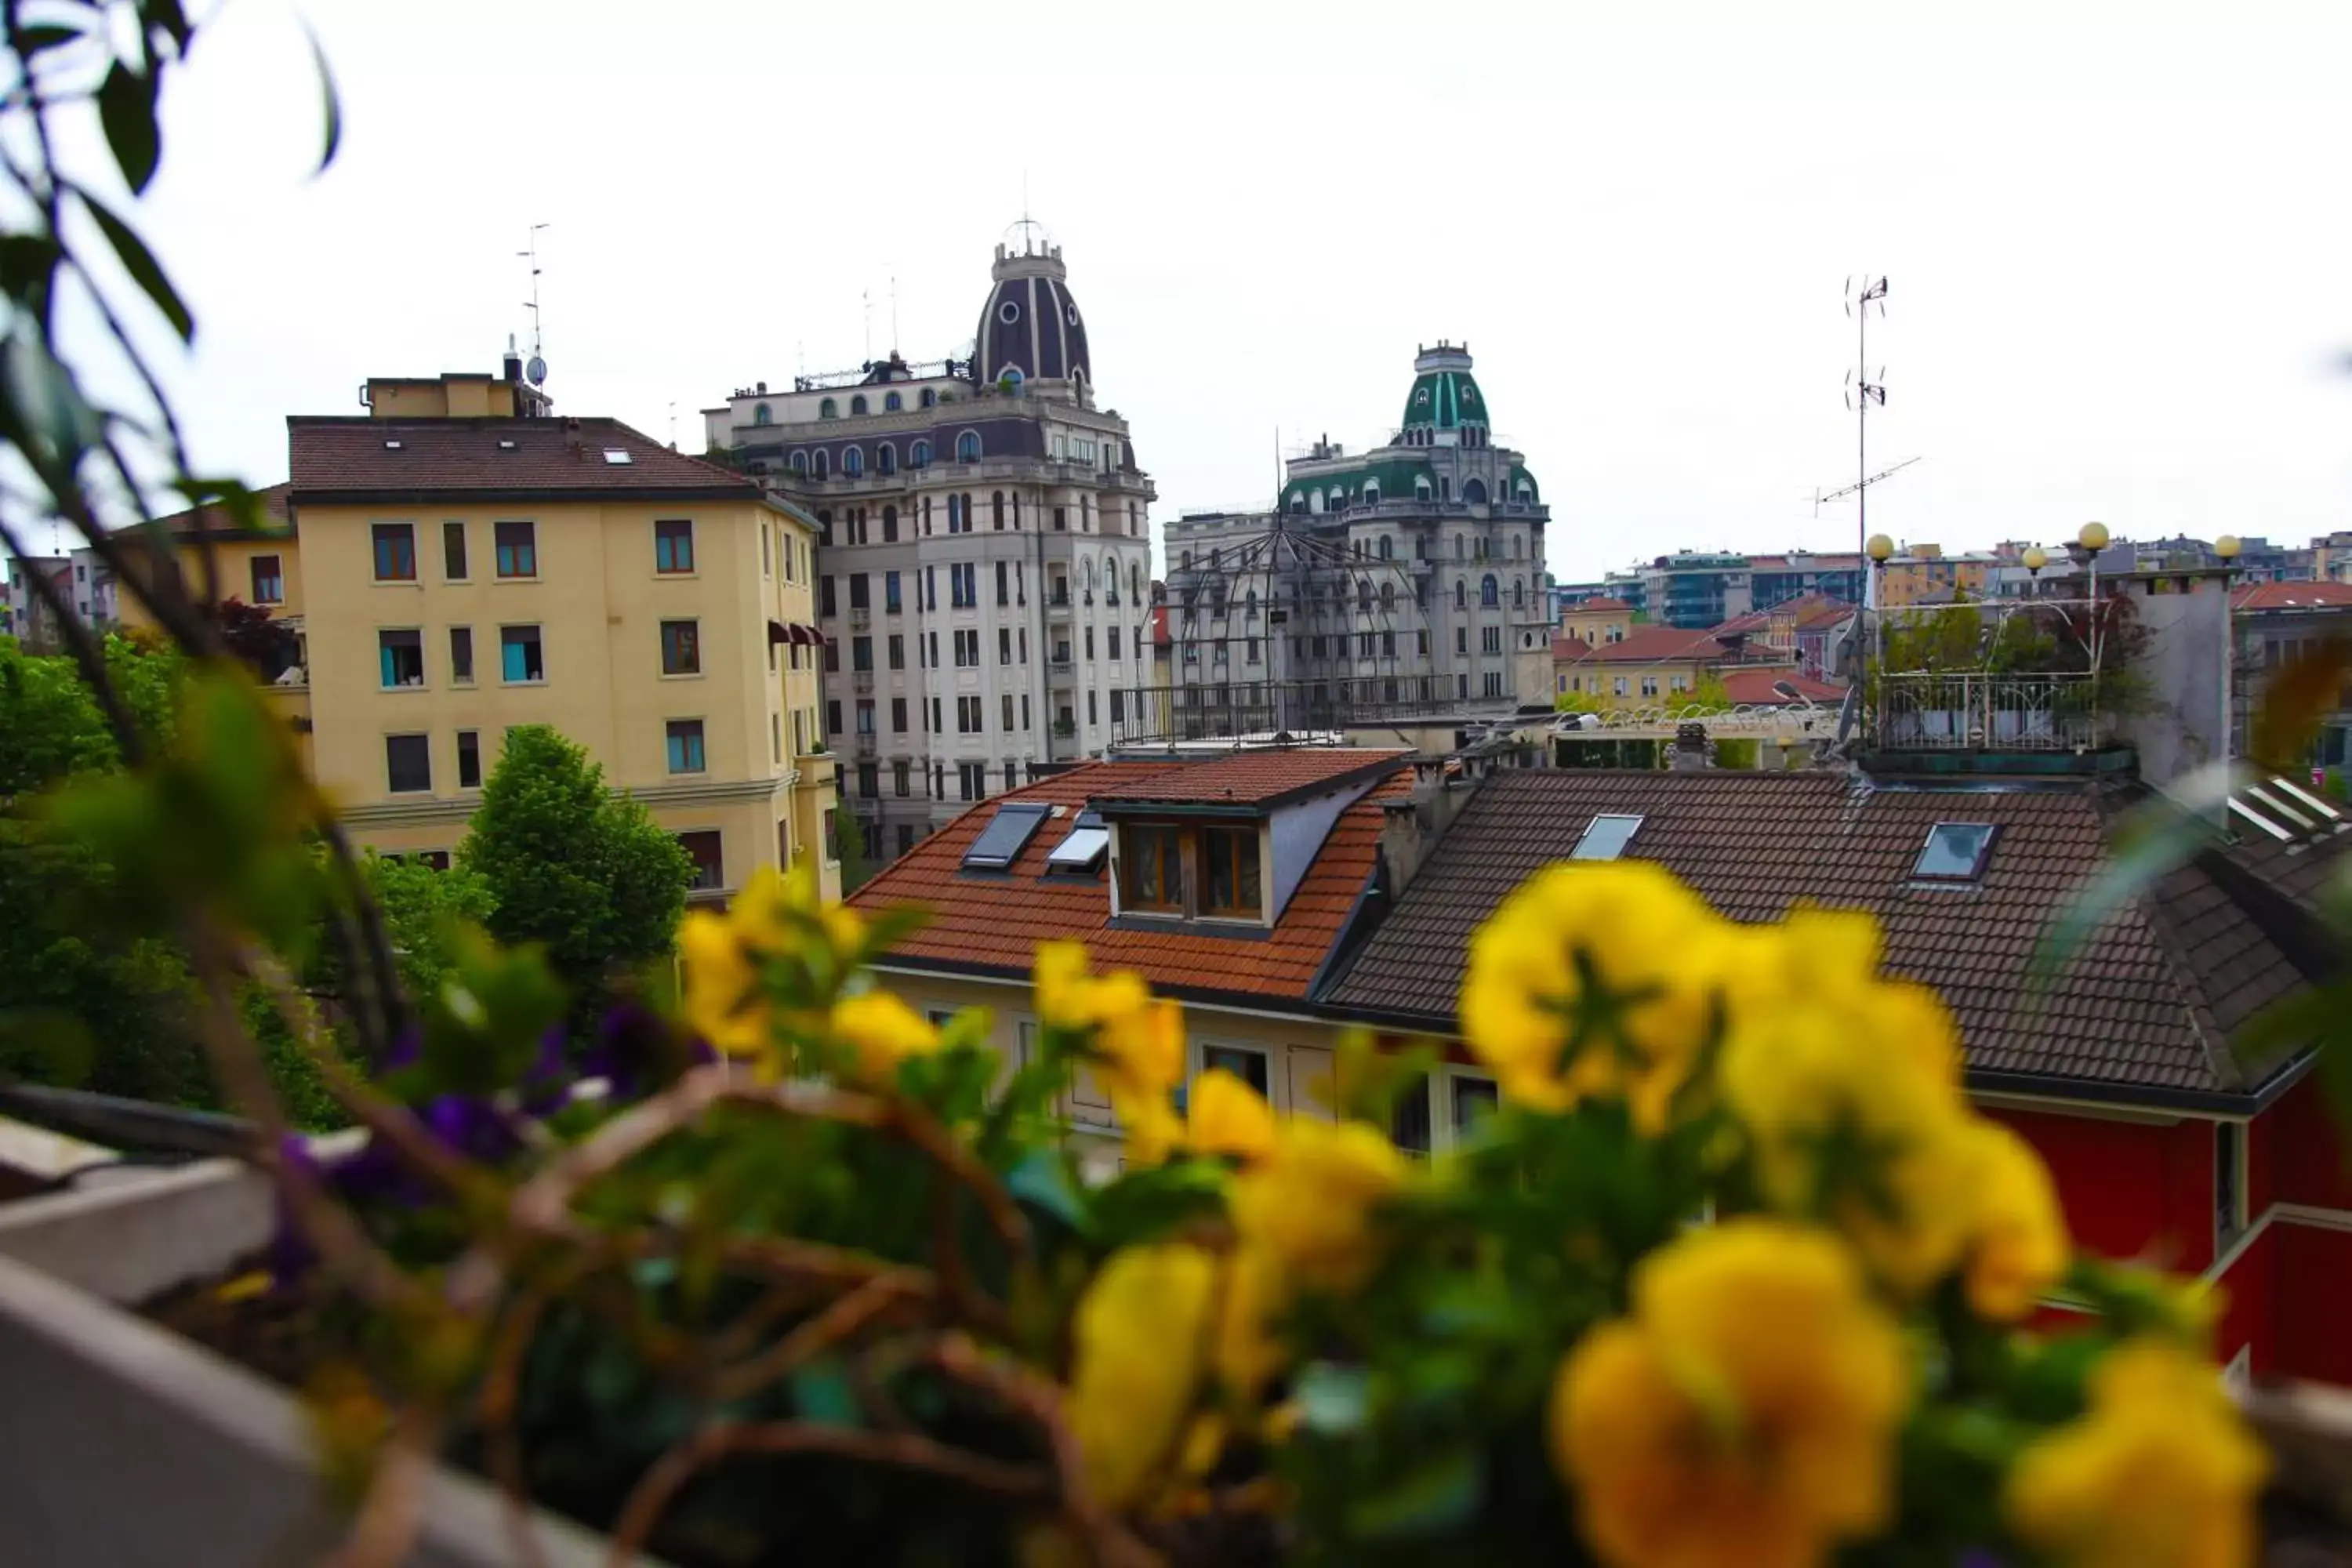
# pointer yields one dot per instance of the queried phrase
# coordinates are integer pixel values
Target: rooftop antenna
(535, 372)
(673, 424)
(1864, 386)
(894, 315)
(1823, 498)
(865, 300)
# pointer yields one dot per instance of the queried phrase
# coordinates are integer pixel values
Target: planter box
(122, 1446)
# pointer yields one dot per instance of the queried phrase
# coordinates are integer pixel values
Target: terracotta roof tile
(277, 503)
(1252, 777)
(2148, 1004)
(2260, 596)
(330, 458)
(1755, 687)
(991, 923)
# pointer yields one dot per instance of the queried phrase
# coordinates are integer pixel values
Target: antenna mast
(531, 255)
(1863, 295)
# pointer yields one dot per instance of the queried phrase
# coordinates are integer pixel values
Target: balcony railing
(860, 617)
(1060, 669)
(1940, 711)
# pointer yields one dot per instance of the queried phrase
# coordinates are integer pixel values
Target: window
(469, 759)
(967, 447)
(861, 653)
(268, 581)
(857, 404)
(906, 836)
(821, 464)
(1007, 834)
(866, 715)
(395, 551)
(520, 657)
(963, 584)
(1008, 714)
(402, 656)
(408, 763)
(1113, 637)
(918, 454)
(971, 781)
(703, 848)
(869, 781)
(681, 647)
(833, 717)
(674, 546)
(891, 602)
(1605, 837)
(1230, 863)
(517, 549)
(1247, 1065)
(898, 715)
(892, 403)
(1956, 851)
(1152, 870)
(2228, 1190)
(685, 745)
(969, 718)
(1462, 639)
(828, 409)
(897, 651)
(1004, 645)
(1475, 1099)
(900, 772)
(1488, 597)
(967, 649)
(853, 462)
(453, 551)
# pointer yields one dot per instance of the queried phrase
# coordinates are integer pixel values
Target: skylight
(1956, 851)
(1605, 838)
(1007, 834)
(617, 454)
(391, 446)
(1084, 849)
(506, 444)
(2285, 811)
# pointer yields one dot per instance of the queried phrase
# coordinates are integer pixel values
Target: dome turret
(1030, 327)
(1444, 398)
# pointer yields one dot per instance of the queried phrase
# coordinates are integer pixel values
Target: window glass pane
(1409, 1123)
(453, 551)
(1606, 839)
(408, 763)
(519, 653)
(1955, 850)
(703, 849)
(517, 550)
(469, 759)
(1473, 1097)
(674, 546)
(395, 551)
(1248, 1066)
(681, 644)
(461, 653)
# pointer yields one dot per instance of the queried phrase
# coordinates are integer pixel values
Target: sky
(2116, 242)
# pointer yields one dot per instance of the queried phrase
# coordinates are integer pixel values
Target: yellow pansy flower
(2159, 1473)
(882, 1031)
(2017, 1244)
(1135, 1376)
(1226, 1116)
(722, 1002)
(1744, 1416)
(1308, 1203)
(1625, 929)
(1851, 1098)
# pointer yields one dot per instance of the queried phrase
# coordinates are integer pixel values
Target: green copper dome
(1444, 395)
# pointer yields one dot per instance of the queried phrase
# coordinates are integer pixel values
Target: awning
(778, 632)
(795, 634)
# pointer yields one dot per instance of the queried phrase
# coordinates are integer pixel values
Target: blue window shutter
(385, 654)
(512, 653)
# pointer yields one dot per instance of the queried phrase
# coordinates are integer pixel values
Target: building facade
(983, 551)
(1407, 576)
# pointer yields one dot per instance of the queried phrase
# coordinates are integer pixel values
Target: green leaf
(126, 109)
(331, 103)
(1433, 1499)
(1041, 1180)
(56, 1046)
(1332, 1399)
(144, 270)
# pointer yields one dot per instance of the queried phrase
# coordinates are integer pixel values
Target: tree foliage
(569, 865)
(849, 848)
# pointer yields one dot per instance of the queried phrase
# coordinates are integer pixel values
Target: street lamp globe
(2035, 558)
(1880, 548)
(2227, 547)
(2094, 537)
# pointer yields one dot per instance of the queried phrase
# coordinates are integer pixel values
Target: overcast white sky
(2119, 251)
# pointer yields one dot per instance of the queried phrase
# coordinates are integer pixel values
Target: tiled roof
(1646, 644)
(2147, 1005)
(1755, 687)
(335, 457)
(992, 923)
(275, 502)
(1601, 605)
(2260, 596)
(1248, 778)
(1816, 609)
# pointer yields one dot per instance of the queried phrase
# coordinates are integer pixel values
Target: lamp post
(1880, 548)
(2034, 559)
(2083, 549)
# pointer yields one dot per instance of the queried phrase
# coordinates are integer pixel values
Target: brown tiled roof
(1604, 605)
(333, 459)
(991, 923)
(1647, 645)
(1815, 609)
(2259, 596)
(2147, 1005)
(1756, 686)
(1250, 778)
(277, 503)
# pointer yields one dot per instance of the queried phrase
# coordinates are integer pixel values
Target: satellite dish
(536, 371)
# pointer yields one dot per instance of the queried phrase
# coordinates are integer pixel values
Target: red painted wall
(2313, 1306)
(2310, 1151)
(2249, 1314)
(2130, 1189)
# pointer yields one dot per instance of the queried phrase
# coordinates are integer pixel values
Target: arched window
(852, 461)
(890, 525)
(1460, 548)
(1187, 561)
(1372, 495)
(1387, 547)
(1514, 547)
(1421, 489)
(826, 410)
(1087, 573)
(1252, 601)
(1388, 596)
(931, 398)
(821, 463)
(1474, 490)
(1298, 505)
(797, 462)
(1336, 501)
(892, 403)
(1488, 595)
(763, 415)
(886, 459)
(996, 509)
(1518, 592)
(919, 456)
(857, 404)
(1527, 491)
(1134, 583)
(1461, 593)
(1363, 596)
(955, 514)
(967, 447)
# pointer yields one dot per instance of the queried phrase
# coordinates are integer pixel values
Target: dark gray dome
(1031, 325)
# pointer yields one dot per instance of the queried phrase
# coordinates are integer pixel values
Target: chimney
(1690, 748)
(512, 366)
(1410, 829)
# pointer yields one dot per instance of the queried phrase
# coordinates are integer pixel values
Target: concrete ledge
(129, 1241)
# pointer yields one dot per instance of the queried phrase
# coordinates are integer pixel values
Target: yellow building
(1597, 621)
(459, 561)
(1923, 572)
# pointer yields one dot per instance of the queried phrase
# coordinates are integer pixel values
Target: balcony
(860, 618)
(1061, 670)
(862, 682)
(1969, 711)
(866, 744)
(1058, 606)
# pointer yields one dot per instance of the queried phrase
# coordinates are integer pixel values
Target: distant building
(983, 544)
(1697, 589)
(1598, 620)
(1658, 666)
(2272, 623)
(1777, 579)
(24, 614)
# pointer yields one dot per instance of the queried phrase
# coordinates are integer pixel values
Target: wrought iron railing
(1956, 711)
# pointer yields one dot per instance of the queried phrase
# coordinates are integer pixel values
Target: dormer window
(1232, 889)
(1152, 869)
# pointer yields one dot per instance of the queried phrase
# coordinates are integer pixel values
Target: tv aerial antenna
(1823, 498)
(535, 369)
(1864, 295)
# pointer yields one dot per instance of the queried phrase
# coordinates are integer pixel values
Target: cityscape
(854, 974)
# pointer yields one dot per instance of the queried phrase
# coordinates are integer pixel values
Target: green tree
(567, 864)
(1710, 694)
(849, 848)
(1578, 703)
